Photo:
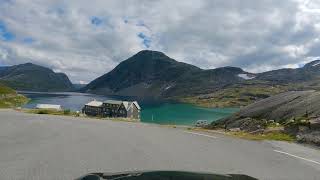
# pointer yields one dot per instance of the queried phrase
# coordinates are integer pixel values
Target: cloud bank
(86, 39)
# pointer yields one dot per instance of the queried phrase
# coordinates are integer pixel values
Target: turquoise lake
(152, 111)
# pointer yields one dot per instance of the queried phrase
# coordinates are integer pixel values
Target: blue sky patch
(146, 40)
(28, 40)
(96, 21)
(5, 35)
(60, 11)
(5, 1)
(141, 23)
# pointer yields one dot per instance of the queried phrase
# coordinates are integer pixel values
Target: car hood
(164, 175)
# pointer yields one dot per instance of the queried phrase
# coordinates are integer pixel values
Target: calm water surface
(152, 111)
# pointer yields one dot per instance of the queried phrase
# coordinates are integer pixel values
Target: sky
(86, 39)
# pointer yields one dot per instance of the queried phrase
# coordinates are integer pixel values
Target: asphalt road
(39, 147)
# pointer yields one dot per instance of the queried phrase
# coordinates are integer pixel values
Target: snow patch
(316, 64)
(245, 76)
(168, 87)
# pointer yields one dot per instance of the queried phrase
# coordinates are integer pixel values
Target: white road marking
(200, 134)
(298, 157)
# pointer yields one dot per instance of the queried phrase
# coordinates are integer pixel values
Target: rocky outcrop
(297, 111)
(279, 108)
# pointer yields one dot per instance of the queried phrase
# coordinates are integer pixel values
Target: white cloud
(3, 54)
(255, 35)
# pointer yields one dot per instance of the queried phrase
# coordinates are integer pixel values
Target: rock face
(279, 108)
(31, 77)
(297, 111)
(310, 137)
(152, 73)
(284, 106)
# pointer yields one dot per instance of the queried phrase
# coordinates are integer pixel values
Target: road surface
(38, 147)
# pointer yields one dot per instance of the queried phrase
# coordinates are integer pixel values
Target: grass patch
(120, 119)
(235, 96)
(9, 98)
(13, 101)
(277, 136)
(6, 90)
(66, 112)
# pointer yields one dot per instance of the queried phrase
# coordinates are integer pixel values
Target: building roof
(126, 104)
(48, 106)
(94, 103)
(113, 102)
(137, 105)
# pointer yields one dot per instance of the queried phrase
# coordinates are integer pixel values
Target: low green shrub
(66, 112)
(43, 111)
(276, 136)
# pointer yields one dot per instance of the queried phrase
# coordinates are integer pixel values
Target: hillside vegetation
(235, 96)
(9, 98)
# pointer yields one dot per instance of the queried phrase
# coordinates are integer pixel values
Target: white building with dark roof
(93, 108)
(113, 108)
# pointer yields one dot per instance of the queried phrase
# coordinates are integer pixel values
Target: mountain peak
(230, 69)
(149, 54)
(154, 74)
(312, 64)
(28, 63)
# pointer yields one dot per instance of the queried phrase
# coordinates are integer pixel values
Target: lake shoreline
(158, 112)
(92, 118)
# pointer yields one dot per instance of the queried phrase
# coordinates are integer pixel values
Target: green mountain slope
(9, 98)
(31, 77)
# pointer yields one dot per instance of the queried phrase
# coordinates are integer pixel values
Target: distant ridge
(31, 77)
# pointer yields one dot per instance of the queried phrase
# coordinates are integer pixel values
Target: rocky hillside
(31, 77)
(296, 113)
(279, 108)
(152, 73)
